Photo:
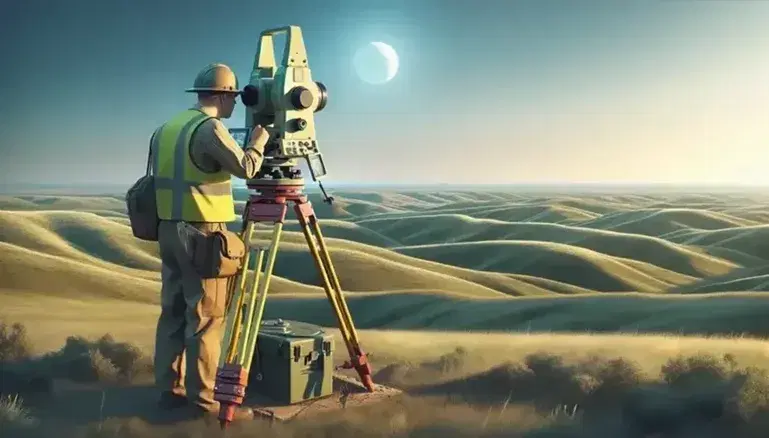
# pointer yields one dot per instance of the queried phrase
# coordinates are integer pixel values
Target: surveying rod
(283, 99)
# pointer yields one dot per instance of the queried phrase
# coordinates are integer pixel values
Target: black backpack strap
(150, 154)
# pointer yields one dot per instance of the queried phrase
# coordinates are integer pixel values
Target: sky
(488, 91)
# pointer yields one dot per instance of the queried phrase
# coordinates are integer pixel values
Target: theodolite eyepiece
(250, 95)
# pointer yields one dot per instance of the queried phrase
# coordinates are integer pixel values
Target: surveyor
(195, 157)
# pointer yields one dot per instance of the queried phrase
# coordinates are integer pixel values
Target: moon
(376, 63)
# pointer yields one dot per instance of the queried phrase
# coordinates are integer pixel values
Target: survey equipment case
(293, 362)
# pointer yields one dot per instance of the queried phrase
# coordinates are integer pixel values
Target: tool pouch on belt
(218, 254)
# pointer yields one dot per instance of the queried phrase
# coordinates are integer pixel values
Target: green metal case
(293, 362)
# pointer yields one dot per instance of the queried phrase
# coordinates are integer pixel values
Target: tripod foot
(226, 414)
(368, 383)
(229, 391)
(363, 367)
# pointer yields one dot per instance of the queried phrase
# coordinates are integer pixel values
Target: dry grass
(540, 395)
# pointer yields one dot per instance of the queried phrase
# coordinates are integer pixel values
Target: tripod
(245, 308)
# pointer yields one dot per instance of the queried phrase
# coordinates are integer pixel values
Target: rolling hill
(486, 260)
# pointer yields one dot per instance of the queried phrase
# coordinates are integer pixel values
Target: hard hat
(215, 77)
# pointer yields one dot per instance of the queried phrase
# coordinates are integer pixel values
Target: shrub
(105, 360)
(14, 343)
(13, 414)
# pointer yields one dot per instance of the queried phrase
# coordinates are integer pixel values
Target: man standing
(194, 159)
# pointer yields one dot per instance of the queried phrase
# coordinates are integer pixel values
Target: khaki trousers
(191, 323)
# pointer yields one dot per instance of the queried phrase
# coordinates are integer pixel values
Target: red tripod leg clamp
(230, 390)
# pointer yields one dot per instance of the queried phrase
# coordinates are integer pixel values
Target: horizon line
(311, 184)
(101, 189)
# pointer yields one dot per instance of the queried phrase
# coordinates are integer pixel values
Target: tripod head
(283, 99)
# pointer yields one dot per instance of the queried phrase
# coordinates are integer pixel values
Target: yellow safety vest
(184, 192)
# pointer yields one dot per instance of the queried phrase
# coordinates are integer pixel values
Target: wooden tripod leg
(345, 311)
(231, 378)
(244, 320)
(325, 266)
(236, 296)
(256, 312)
(247, 312)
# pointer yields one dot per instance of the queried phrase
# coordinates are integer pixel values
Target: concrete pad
(348, 393)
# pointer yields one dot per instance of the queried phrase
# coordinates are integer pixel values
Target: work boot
(169, 401)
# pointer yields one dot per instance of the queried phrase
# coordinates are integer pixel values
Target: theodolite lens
(301, 98)
(250, 95)
(323, 96)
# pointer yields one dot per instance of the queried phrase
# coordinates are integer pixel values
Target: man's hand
(259, 138)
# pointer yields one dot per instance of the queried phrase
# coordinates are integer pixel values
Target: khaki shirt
(212, 149)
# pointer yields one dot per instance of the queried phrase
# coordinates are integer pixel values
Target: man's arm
(243, 163)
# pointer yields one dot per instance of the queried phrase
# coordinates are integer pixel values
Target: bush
(105, 360)
(14, 343)
(747, 388)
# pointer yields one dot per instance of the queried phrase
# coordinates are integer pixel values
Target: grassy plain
(502, 313)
